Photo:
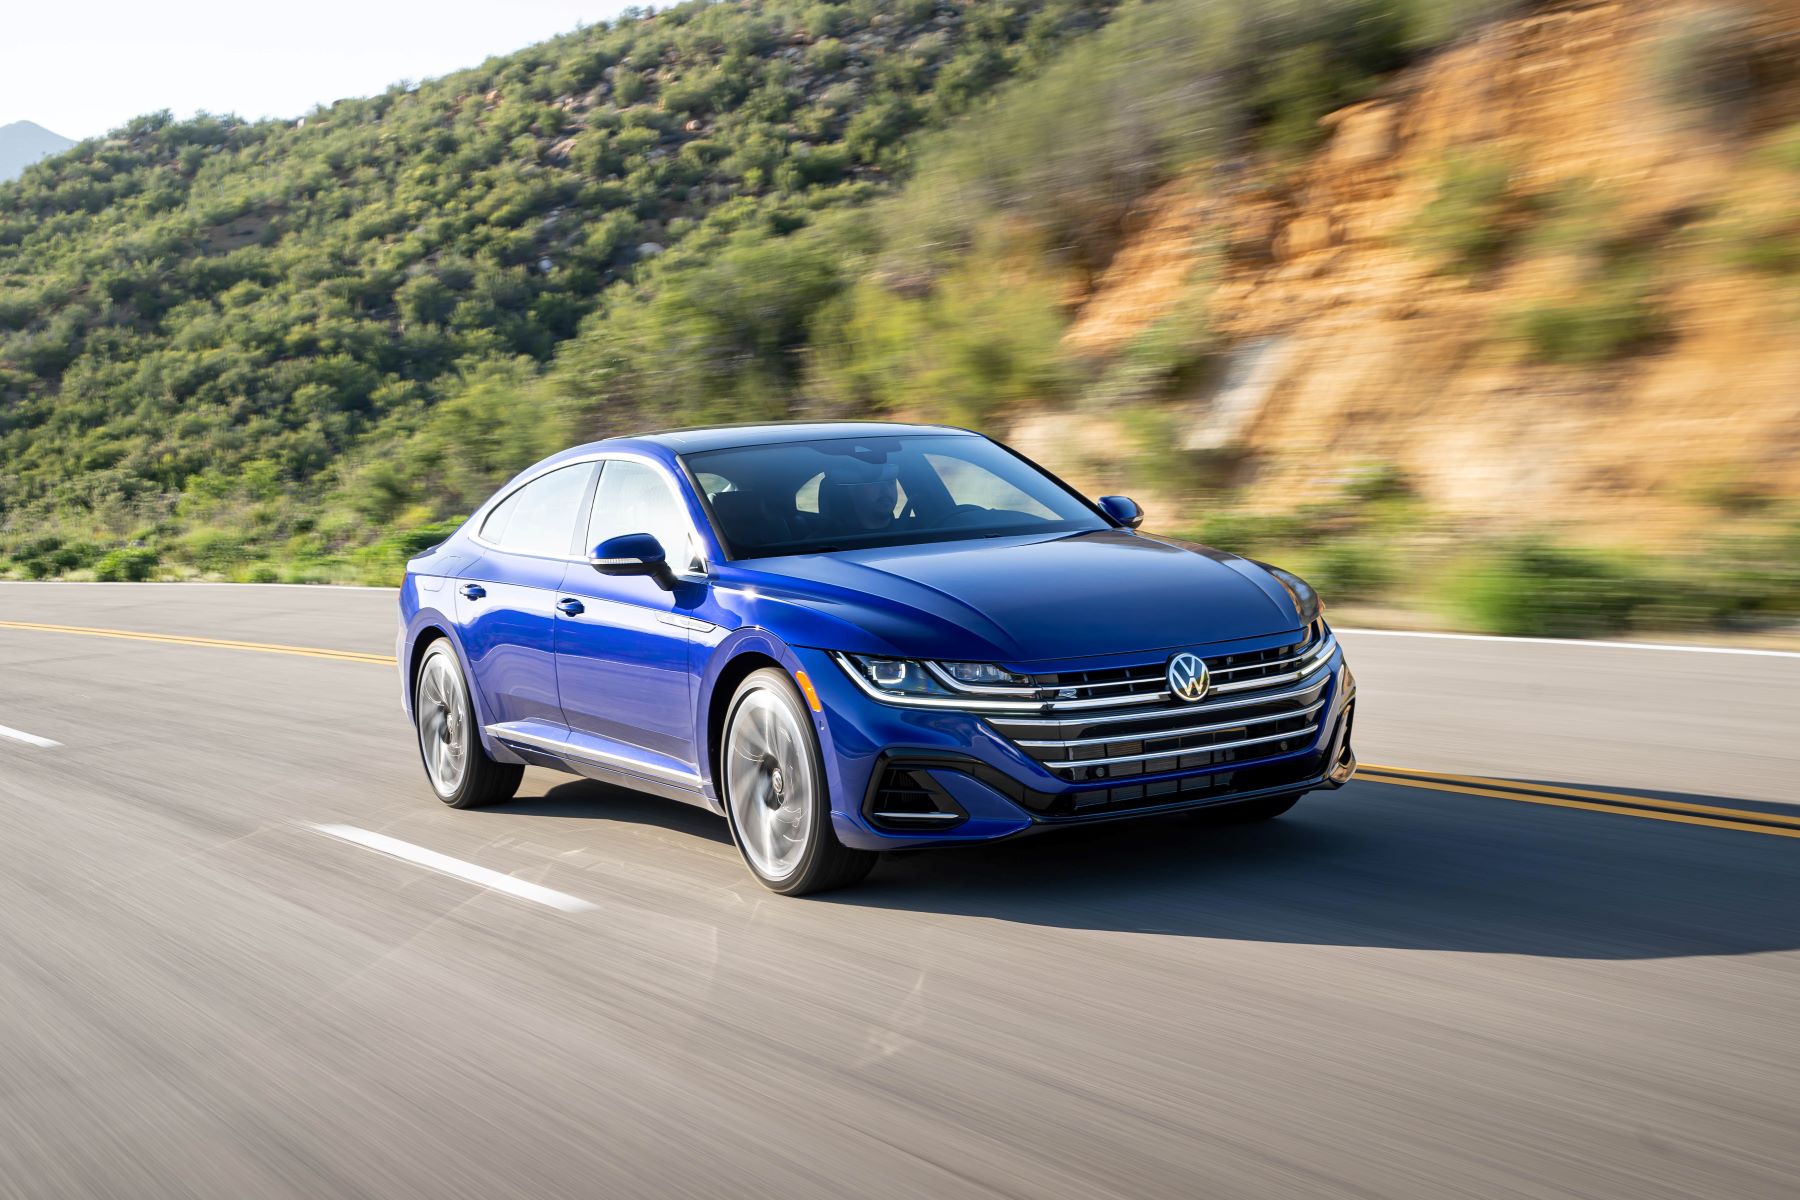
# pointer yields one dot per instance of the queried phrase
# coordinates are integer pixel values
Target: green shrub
(1783, 149)
(1709, 63)
(1252, 534)
(1534, 588)
(1469, 222)
(214, 551)
(132, 565)
(1347, 568)
(1616, 319)
(1352, 46)
(1169, 358)
(1768, 247)
(827, 56)
(629, 86)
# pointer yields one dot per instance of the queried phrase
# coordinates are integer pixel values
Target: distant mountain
(23, 143)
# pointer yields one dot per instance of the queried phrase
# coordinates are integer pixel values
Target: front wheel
(461, 773)
(775, 794)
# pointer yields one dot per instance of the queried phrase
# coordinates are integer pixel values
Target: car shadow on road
(1384, 866)
(585, 799)
(1371, 865)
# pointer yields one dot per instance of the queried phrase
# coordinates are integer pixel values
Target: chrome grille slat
(1017, 718)
(1177, 752)
(1189, 731)
(1140, 683)
(1273, 701)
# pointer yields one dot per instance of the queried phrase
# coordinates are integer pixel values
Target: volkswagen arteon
(857, 637)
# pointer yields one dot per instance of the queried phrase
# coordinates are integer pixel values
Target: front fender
(721, 655)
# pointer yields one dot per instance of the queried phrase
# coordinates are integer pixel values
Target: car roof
(725, 437)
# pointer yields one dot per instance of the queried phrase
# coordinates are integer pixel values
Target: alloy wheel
(769, 782)
(444, 729)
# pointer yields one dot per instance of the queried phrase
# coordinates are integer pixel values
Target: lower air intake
(908, 799)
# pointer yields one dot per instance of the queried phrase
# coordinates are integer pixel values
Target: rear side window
(540, 517)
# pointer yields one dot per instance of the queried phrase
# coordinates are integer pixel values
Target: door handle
(473, 591)
(571, 606)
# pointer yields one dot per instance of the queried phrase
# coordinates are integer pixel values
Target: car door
(622, 641)
(505, 600)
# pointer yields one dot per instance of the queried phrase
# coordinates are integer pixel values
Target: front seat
(748, 523)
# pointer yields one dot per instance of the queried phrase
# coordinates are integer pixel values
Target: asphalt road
(1395, 991)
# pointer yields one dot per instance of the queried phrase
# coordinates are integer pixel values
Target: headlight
(982, 674)
(912, 677)
(902, 676)
(1306, 601)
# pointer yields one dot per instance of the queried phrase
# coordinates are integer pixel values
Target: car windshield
(851, 493)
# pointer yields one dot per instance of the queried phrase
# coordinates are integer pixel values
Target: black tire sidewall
(819, 831)
(462, 797)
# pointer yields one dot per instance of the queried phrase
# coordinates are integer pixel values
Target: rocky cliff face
(1553, 273)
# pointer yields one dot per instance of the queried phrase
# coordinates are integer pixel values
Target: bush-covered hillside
(295, 350)
(1247, 254)
(213, 333)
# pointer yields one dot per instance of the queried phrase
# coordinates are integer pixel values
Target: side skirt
(560, 756)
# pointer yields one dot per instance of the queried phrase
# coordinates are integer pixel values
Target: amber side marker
(812, 697)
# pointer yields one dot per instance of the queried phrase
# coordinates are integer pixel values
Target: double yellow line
(1617, 803)
(221, 643)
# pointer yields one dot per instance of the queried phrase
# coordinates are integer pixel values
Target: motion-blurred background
(1483, 315)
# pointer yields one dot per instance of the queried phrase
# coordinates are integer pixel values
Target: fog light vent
(909, 799)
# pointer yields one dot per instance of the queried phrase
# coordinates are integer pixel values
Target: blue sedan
(849, 638)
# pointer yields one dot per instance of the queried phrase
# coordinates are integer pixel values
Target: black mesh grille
(909, 798)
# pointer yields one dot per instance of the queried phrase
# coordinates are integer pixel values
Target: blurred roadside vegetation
(1374, 548)
(300, 352)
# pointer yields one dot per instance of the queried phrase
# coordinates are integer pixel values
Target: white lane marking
(432, 860)
(30, 739)
(1543, 641)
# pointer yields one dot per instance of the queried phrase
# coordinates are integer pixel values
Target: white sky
(82, 67)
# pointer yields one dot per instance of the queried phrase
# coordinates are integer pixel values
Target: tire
(458, 769)
(775, 794)
(1247, 812)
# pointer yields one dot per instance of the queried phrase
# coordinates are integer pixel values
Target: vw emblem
(1187, 676)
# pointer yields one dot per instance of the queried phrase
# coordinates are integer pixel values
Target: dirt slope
(1353, 336)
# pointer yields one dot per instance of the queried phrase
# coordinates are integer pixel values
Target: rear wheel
(461, 773)
(775, 794)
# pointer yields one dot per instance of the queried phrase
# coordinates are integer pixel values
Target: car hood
(1028, 599)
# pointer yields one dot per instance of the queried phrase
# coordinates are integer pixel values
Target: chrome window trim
(487, 510)
(696, 544)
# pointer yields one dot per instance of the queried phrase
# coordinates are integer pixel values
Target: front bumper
(989, 788)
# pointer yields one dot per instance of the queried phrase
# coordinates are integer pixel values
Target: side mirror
(1122, 509)
(633, 554)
